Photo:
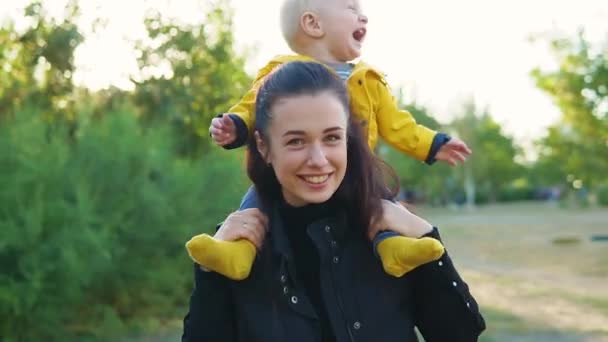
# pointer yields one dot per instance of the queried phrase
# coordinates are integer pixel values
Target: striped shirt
(343, 70)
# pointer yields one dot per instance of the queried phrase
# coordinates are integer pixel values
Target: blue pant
(250, 200)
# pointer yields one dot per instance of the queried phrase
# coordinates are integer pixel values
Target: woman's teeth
(316, 179)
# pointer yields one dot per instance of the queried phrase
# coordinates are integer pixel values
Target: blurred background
(106, 167)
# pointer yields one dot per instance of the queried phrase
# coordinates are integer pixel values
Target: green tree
(492, 166)
(578, 143)
(189, 74)
(432, 183)
(36, 65)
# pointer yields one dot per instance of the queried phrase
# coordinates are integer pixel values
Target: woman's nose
(363, 18)
(317, 156)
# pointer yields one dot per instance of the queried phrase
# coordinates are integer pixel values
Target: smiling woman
(316, 277)
(309, 158)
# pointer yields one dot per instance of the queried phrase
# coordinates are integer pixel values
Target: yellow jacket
(371, 101)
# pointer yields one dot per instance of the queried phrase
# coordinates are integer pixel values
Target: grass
(533, 267)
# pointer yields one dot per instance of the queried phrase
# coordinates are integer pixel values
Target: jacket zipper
(341, 305)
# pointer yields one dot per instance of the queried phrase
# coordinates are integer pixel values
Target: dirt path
(535, 303)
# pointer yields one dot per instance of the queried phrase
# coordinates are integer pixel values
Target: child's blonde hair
(291, 11)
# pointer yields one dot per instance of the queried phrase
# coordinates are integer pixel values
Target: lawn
(534, 268)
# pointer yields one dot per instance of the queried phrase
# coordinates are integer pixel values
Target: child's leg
(401, 254)
(250, 200)
(232, 259)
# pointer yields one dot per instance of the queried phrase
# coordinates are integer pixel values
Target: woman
(316, 278)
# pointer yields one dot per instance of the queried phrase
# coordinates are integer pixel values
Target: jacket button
(294, 299)
(336, 260)
(357, 325)
(285, 290)
(440, 263)
(334, 243)
(454, 284)
(283, 279)
(328, 229)
(360, 82)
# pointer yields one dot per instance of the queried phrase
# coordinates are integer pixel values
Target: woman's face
(306, 146)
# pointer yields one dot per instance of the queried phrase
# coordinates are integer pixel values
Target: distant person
(332, 32)
(316, 278)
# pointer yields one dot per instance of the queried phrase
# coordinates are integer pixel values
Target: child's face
(344, 25)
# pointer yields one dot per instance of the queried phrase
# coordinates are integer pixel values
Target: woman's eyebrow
(327, 130)
(294, 133)
(333, 129)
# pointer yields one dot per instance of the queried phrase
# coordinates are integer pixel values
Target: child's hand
(453, 151)
(222, 130)
(250, 224)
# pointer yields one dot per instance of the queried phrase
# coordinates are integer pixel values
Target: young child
(332, 32)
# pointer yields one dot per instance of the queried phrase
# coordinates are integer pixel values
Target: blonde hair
(291, 11)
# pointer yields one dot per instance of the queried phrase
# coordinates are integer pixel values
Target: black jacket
(363, 302)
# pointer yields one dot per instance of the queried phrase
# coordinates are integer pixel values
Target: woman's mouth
(316, 180)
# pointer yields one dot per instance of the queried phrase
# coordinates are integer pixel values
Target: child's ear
(311, 25)
(262, 147)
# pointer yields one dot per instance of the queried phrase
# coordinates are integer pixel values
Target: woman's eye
(295, 142)
(333, 138)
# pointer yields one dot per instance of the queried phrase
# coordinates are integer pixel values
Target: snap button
(334, 244)
(294, 299)
(283, 279)
(440, 263)
(285, 290)
(357, 325)
(454, 284)
(327, 229)
(336, 260)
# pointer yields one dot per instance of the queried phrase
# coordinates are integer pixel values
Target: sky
(441, 52)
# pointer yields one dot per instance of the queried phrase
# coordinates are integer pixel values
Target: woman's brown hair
(364, 185)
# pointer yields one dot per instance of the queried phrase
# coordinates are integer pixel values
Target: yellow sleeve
(245, 108)
(399, 128)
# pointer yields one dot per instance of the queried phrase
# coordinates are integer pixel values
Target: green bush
(513, 193)
(94, 222)
(602, 195)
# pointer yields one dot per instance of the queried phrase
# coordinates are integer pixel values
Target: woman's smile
(316, 181)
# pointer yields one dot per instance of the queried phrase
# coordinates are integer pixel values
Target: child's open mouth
(359, 35)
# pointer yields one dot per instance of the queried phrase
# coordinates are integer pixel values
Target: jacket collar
(280, 242)
(360, 67)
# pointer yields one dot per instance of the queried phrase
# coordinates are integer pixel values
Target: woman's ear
(311, 25)
(262, 147)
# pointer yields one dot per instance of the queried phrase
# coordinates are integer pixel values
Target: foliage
(492, 165)
(602, 195)
(189, 74)
(428, 183)
(579, 87)
(93, 232)
(98, 193)
(36, 65)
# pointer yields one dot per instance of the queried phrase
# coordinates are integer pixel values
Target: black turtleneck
(306, 256)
